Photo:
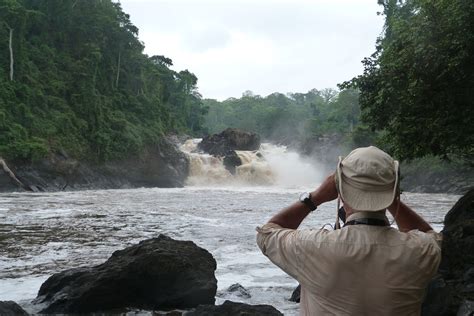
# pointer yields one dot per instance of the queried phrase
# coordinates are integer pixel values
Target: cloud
(263, 46)
(203, 38)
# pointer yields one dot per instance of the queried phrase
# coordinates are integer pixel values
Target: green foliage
(82, 83)
(284, 118)
(418, 85)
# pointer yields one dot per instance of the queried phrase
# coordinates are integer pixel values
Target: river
(44, 233)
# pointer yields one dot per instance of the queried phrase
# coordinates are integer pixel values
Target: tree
(13, 15)
(417, 86)
(83, 84)
(287, 118)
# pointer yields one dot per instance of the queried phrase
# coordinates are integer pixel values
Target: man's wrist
(315, 198)
(306, 199)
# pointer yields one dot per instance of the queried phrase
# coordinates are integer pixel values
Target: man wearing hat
(366, 267)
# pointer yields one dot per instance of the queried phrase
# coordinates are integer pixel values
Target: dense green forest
(73, 76)
(417, 88)
(291, 117)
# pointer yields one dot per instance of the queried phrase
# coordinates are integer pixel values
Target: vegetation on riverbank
(417, 86)
(73, 77)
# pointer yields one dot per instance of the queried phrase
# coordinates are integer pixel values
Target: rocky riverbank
(164, 165)
(451, 292)
(160, 165)
(163, 275)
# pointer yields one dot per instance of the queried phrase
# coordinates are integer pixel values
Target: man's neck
(366, 214)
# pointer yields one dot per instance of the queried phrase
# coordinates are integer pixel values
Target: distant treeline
(73, 76)
(291, 117)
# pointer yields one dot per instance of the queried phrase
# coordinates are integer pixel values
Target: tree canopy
(286, 118)
(418, 85)
(82, 83)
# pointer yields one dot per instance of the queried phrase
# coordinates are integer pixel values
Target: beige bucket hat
(368, 179)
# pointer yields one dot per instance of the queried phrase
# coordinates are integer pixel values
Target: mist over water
(271, 165)
(290, 169)
(45, 233)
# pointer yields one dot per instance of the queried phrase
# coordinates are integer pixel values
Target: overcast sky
(264, 46)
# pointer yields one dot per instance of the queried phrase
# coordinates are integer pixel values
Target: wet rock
(458, 236)
(466, 309)
(454, 284)
(423, 179)
(6, 183)
(169, 313)
(8, 179)
(234, 309)
(162, 165)
(324, 148)
(228, 140)
(296, 295)
(439, 298)
(239, 290)
(158, 165)
(8, 308)
(231, 161)
(159, 273)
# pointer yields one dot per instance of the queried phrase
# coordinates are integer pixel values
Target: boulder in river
(296, 295)
(230, 308)
(239, 290)
(10, 308)
(231, 161)
(451, 292)
(230, 139)
(158, 273)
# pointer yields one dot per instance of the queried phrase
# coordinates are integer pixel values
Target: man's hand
(406, 218)
(325, 192)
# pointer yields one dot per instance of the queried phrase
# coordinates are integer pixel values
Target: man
(366, 267)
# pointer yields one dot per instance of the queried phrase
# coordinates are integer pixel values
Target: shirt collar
(368, 214)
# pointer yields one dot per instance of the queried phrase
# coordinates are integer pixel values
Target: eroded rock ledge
(158, 165)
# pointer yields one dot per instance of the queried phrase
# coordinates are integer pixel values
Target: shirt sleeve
(429, 254)
(281, 247)
(438, 237)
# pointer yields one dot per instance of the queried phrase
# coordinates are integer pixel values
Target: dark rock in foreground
(159, 273)
(228, 140)
(296, 295)
(451, 292)
(8, 308)
(234, 309)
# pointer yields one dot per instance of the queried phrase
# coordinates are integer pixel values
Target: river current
(45, 233)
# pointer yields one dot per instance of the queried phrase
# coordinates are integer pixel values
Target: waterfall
(271, 165)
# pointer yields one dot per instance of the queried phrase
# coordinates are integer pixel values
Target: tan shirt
(356, 270)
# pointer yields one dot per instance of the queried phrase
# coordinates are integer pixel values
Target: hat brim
(363, 200)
